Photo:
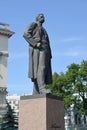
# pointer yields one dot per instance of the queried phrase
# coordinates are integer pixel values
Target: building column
(5, 34)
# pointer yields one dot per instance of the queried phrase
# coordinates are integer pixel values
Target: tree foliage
(72, 86)
(9, 120)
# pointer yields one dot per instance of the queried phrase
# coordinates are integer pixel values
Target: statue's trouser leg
(35, 88)
(41, 74)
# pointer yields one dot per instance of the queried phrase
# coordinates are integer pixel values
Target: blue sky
(66, 24)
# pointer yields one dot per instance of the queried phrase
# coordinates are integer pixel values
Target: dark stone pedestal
(41, 112)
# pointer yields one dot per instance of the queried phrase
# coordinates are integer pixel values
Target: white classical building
(13, 101)
(73, 119)
(5, 34)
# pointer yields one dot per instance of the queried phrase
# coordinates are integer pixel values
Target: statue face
(41, 18)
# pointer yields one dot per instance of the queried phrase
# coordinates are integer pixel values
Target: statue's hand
(39, 45)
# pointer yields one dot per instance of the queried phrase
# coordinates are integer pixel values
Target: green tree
(59, 87)
(71, 85)
(77, 77)
(9, 120)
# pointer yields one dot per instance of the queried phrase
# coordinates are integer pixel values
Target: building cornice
(6, 32)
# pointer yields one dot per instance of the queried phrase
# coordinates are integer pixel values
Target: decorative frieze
(3, 53)
(3, 90)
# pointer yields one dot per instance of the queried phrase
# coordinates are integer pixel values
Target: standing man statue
(39, 55)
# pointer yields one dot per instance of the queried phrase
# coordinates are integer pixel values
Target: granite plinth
(41, 112)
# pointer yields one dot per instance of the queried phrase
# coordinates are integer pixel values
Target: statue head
(40, 18)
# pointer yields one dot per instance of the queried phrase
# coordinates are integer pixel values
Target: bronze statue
(39, 55)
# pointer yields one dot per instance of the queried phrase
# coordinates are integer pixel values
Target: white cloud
(19, 88)
(13, 56)
(72, 54)
(70, 39)
(69, 52)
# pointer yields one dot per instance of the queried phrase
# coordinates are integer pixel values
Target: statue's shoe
(45, 91)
